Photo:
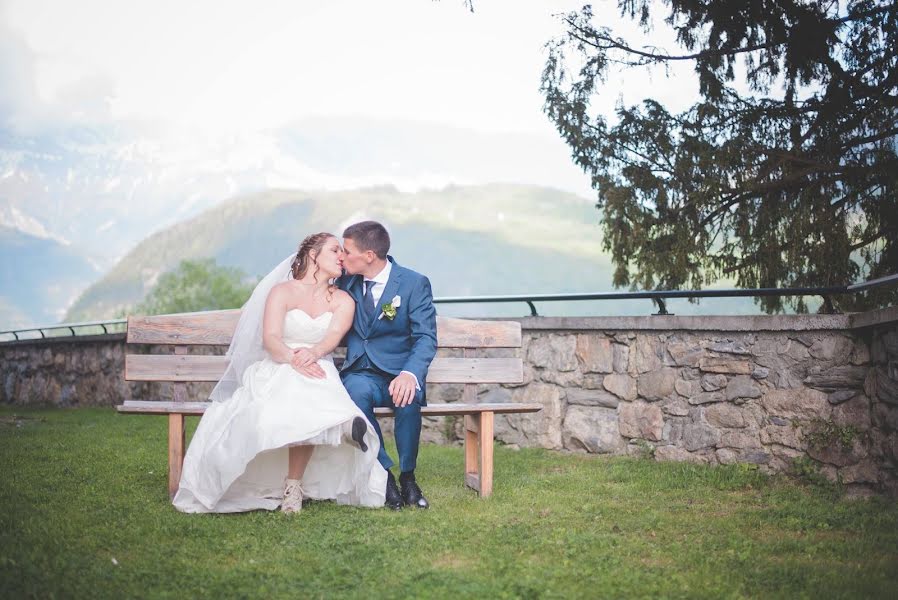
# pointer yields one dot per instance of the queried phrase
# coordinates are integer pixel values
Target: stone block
(685, 354)
(739, 439)
(722, 364)
(725, 456)
(862, 472)
(560, 378)
(780, 373)
(854, 413)
(885, 415)
(714, 382)
(834, 453)
(861, 353)
(493, 394)
(541, 429)
(698, 435)
(677, 454)
(837, 378)
(621, 385)
(742, 387)
(836, 349)
(555, 352)
(784, 435)
(675, 407)
(842, 396)
(754, 457)
(707, 397)
(595, 354)
(730, 347)
(760, 373)
(620, 358)
(592, 429)
(687, 388)
(803, 404)
(725, 415)
(591, 397)
(648, 353)
(882, 386)
(657, 384)
(641, 420)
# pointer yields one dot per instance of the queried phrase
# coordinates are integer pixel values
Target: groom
(389, 348)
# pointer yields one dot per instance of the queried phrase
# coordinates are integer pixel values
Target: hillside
(470, 240)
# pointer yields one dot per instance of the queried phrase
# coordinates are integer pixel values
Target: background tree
(789, 182)
(197, 285)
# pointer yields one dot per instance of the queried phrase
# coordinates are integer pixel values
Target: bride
(282, 426)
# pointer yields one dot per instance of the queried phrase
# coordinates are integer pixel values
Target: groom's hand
(402, 389)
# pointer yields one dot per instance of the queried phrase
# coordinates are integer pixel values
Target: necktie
(369, 299)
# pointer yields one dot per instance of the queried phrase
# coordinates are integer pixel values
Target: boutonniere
(388, 310)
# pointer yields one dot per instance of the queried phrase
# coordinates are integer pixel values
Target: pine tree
(793, 183)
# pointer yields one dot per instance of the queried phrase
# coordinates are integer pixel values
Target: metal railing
(659, 297)
(75, 329)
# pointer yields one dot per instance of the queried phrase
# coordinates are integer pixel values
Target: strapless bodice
(301, 330)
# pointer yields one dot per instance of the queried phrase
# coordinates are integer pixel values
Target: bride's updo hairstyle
(302, 262)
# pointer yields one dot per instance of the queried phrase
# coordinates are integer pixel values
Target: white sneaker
(292, 502)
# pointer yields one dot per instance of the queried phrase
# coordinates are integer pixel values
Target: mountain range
(95, 192)
(90, 217)
(470, 240)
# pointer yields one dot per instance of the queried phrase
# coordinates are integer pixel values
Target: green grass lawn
(85, 513)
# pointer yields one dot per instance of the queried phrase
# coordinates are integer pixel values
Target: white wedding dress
(237, 459)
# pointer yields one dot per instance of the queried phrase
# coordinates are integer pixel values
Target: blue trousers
(370, 390)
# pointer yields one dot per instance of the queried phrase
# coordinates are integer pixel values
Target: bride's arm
(344, 311)
(273, 326)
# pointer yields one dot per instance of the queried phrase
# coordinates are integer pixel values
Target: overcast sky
(250, 65)
(200, 80)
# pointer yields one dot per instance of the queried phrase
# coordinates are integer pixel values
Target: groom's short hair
(369, 235)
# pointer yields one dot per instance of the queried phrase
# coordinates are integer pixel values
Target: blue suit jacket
(406, 343)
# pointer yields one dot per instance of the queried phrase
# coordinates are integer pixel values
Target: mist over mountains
(89, 217)
(469, 240)
(491, 239)
(99, 190)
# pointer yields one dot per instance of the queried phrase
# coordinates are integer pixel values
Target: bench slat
(211, 328)
(192, 367)
(215, 328)
(467, 333)
(197, 408)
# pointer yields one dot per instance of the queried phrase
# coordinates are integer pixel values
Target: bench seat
(163, 407)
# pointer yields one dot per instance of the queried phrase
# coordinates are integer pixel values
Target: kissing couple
(284, 423)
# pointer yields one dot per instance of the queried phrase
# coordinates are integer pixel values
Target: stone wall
(815, 392)
(70, 372)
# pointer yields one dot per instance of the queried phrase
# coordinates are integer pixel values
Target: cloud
(18, 95)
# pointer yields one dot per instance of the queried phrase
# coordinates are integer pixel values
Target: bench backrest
(215, 328)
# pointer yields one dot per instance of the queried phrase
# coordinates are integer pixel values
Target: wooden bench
(214, 328)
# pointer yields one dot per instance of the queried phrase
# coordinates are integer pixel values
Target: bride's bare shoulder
(342, 298)
(281, 290)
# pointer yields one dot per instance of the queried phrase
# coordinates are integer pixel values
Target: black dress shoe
(393, 499)
(411, 493)
(359, 427)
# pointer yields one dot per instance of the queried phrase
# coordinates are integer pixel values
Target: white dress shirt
(380, 284)
(377, 290)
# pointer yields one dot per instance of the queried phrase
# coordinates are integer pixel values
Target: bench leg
(479, 452)
(175, 451)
